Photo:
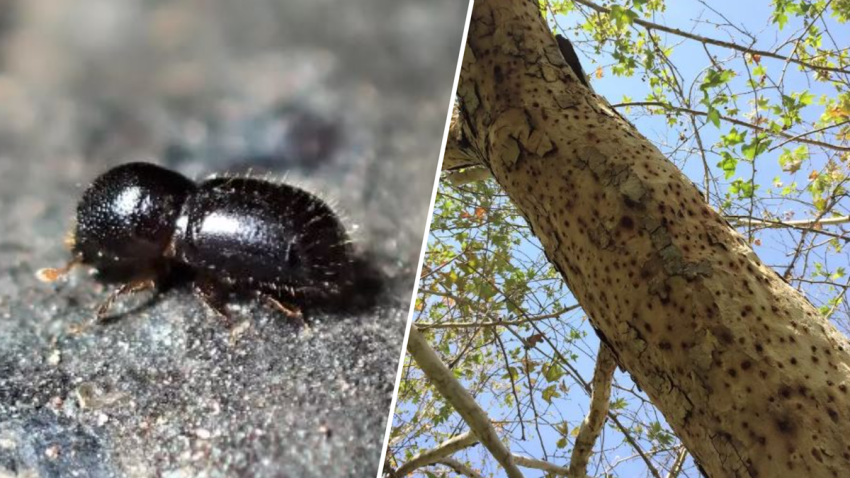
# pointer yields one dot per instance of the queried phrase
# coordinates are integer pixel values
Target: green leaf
(553, 372)
(733, 138)
(792, 161)
(744, 189)
(756, 147)
(657, 433)
(780, 19)
(622, 16)
(549, 393)
(728, 164)
(714, 116)
(714, 78)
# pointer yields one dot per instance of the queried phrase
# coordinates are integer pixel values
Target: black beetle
(139, 223)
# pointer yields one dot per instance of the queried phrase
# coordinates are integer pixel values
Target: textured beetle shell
(125, 219)
(257, 235)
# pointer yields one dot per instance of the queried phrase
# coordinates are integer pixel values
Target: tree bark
(460, 399)
(748, 374)
(591, 427)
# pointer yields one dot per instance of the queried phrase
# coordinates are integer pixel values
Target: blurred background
(348, 99)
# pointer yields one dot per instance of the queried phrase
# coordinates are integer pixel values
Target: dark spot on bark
(497, 74)
(833, 415)
(785, 425)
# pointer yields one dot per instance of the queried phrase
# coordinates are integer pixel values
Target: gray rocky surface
(346, 98)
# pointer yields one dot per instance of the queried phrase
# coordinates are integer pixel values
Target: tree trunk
(748, 374)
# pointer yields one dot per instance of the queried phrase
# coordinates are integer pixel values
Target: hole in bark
(785, 426)
(833, 415)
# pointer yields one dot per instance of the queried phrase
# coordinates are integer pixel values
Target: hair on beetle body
(326, 197)
(139, 224)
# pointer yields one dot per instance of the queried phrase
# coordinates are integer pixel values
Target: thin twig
(513, 386)
(711, 41)
(495, 323)
(798, 138)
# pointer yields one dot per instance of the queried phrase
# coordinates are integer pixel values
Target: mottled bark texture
(591, 427)
(749, 375)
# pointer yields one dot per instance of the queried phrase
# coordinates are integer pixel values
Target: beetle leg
(215, 298)
(128, 288)
(290, 311)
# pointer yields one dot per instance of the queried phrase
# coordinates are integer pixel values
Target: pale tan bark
(460, 399)
(442, 452)
(591, 427)
(436, 454)
(678, 463)
(469, 175)
(552, 468)
(748, 374)
(474, 416)
(459, 467)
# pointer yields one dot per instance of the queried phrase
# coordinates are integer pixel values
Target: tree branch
(625, 431)
(468, 175)
(441, 453)
(814, 131)
(575, 375)
(680, 461)
(589, 432)
(438, 453)
(806, 223)
(541, 465)
(496, 323)
(459, 467)
(603, 376)
(459, 152)
(513, 386)
(451, 389)
(711, 41)
(797, 138)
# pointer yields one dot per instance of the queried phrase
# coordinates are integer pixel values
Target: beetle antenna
(50, 274)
